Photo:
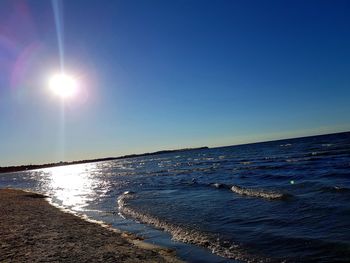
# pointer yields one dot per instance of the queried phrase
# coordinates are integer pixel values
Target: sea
(277, 201)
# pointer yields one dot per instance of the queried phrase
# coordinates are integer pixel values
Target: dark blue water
(281, 201)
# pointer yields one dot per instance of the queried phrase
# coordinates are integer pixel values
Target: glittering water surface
(276, 201)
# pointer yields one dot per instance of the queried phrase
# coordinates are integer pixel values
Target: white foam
(257, 193)
(214, 244)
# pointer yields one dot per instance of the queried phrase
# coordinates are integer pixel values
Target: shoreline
(34, 230)
(20, 168)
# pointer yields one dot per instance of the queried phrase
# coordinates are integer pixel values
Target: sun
(63, 85)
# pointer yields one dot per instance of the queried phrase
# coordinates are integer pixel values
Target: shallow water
(268, 202)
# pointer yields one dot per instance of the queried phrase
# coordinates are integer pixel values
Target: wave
(334, 152)
(179, 233)
(258, 193)
(220, 186)
(252, 192)
(335, 189)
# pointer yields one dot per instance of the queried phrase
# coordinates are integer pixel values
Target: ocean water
(280, 201)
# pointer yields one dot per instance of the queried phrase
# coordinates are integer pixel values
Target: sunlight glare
(63, 85)
(72, 185)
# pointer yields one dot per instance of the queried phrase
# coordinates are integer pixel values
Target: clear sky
(169, 74)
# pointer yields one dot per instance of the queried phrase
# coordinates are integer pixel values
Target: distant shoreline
(19, 168)
(12, 169)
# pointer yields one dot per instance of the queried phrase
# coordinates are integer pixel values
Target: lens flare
(63, 85)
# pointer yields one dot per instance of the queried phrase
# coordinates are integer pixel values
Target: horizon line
(164, 151)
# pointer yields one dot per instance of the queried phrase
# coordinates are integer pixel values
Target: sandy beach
(32, 230)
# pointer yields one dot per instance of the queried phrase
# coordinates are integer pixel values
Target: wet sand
(32, 230)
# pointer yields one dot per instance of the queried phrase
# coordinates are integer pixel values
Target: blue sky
(170, 74)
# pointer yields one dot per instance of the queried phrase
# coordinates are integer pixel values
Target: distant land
(10, 169)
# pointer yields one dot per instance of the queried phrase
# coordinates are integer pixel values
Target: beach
(250, 203)
(33, 230)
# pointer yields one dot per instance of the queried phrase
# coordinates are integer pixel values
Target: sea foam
(258, 193)
(179, 233)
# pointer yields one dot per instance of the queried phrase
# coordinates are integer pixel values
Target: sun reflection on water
(73, 186)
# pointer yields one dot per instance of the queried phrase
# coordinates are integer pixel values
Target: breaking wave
(258, 193)
(179, 233)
